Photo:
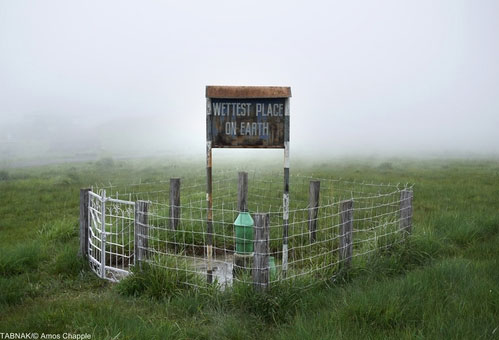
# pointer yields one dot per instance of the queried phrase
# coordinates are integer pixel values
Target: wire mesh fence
(332, 222)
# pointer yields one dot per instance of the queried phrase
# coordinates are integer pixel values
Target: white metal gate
(110, 235)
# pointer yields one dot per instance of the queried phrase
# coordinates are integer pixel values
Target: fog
(86, 79)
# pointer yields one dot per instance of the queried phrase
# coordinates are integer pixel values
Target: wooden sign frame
(229, 110)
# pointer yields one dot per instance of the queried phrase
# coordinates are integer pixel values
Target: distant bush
(67, 179)
(385, 166)
(72, 176)
(19, 176)
(4, 175)
(105, 162)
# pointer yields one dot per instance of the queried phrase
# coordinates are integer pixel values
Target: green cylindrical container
(244, 233)
(273, 269)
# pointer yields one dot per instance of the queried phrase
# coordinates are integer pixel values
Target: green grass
(158, 282)
(441, 284)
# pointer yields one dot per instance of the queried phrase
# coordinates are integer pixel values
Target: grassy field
(442, 284)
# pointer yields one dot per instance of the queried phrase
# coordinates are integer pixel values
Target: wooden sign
(247, 117)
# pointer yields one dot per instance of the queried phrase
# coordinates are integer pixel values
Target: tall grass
(20, 258)
(160, 279)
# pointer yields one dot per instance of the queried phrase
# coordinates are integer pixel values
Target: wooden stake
(261, 271)
(84, 197)
(406, 211)
(242, 192)
(141, 232)
(313, 208)
(346, 235)
(241, 262)
(174, 203)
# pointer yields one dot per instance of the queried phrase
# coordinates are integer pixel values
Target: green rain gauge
(244, 233)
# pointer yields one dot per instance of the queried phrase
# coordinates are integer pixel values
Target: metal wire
(376, 225)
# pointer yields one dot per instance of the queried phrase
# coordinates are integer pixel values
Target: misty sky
(381, 77)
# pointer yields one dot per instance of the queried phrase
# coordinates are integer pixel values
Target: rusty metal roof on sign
(248, 92)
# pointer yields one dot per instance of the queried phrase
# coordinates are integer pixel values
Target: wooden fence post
(84, 197)
(261, 271)
(406, 196)
(346, 233)
(241, 261)
(242, 192)
(174, 203)
(313, 208)
(141, 232)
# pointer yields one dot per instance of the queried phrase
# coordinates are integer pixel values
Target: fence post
(209, 197)
(346, 233)
(313, 208)
(242, 192)
(406, 196)
(174, 203)
(141, 232)
(103, 235)
(84, 197)
(241, 261)
(261, 272)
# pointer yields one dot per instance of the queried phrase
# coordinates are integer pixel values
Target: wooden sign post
(246, 117)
